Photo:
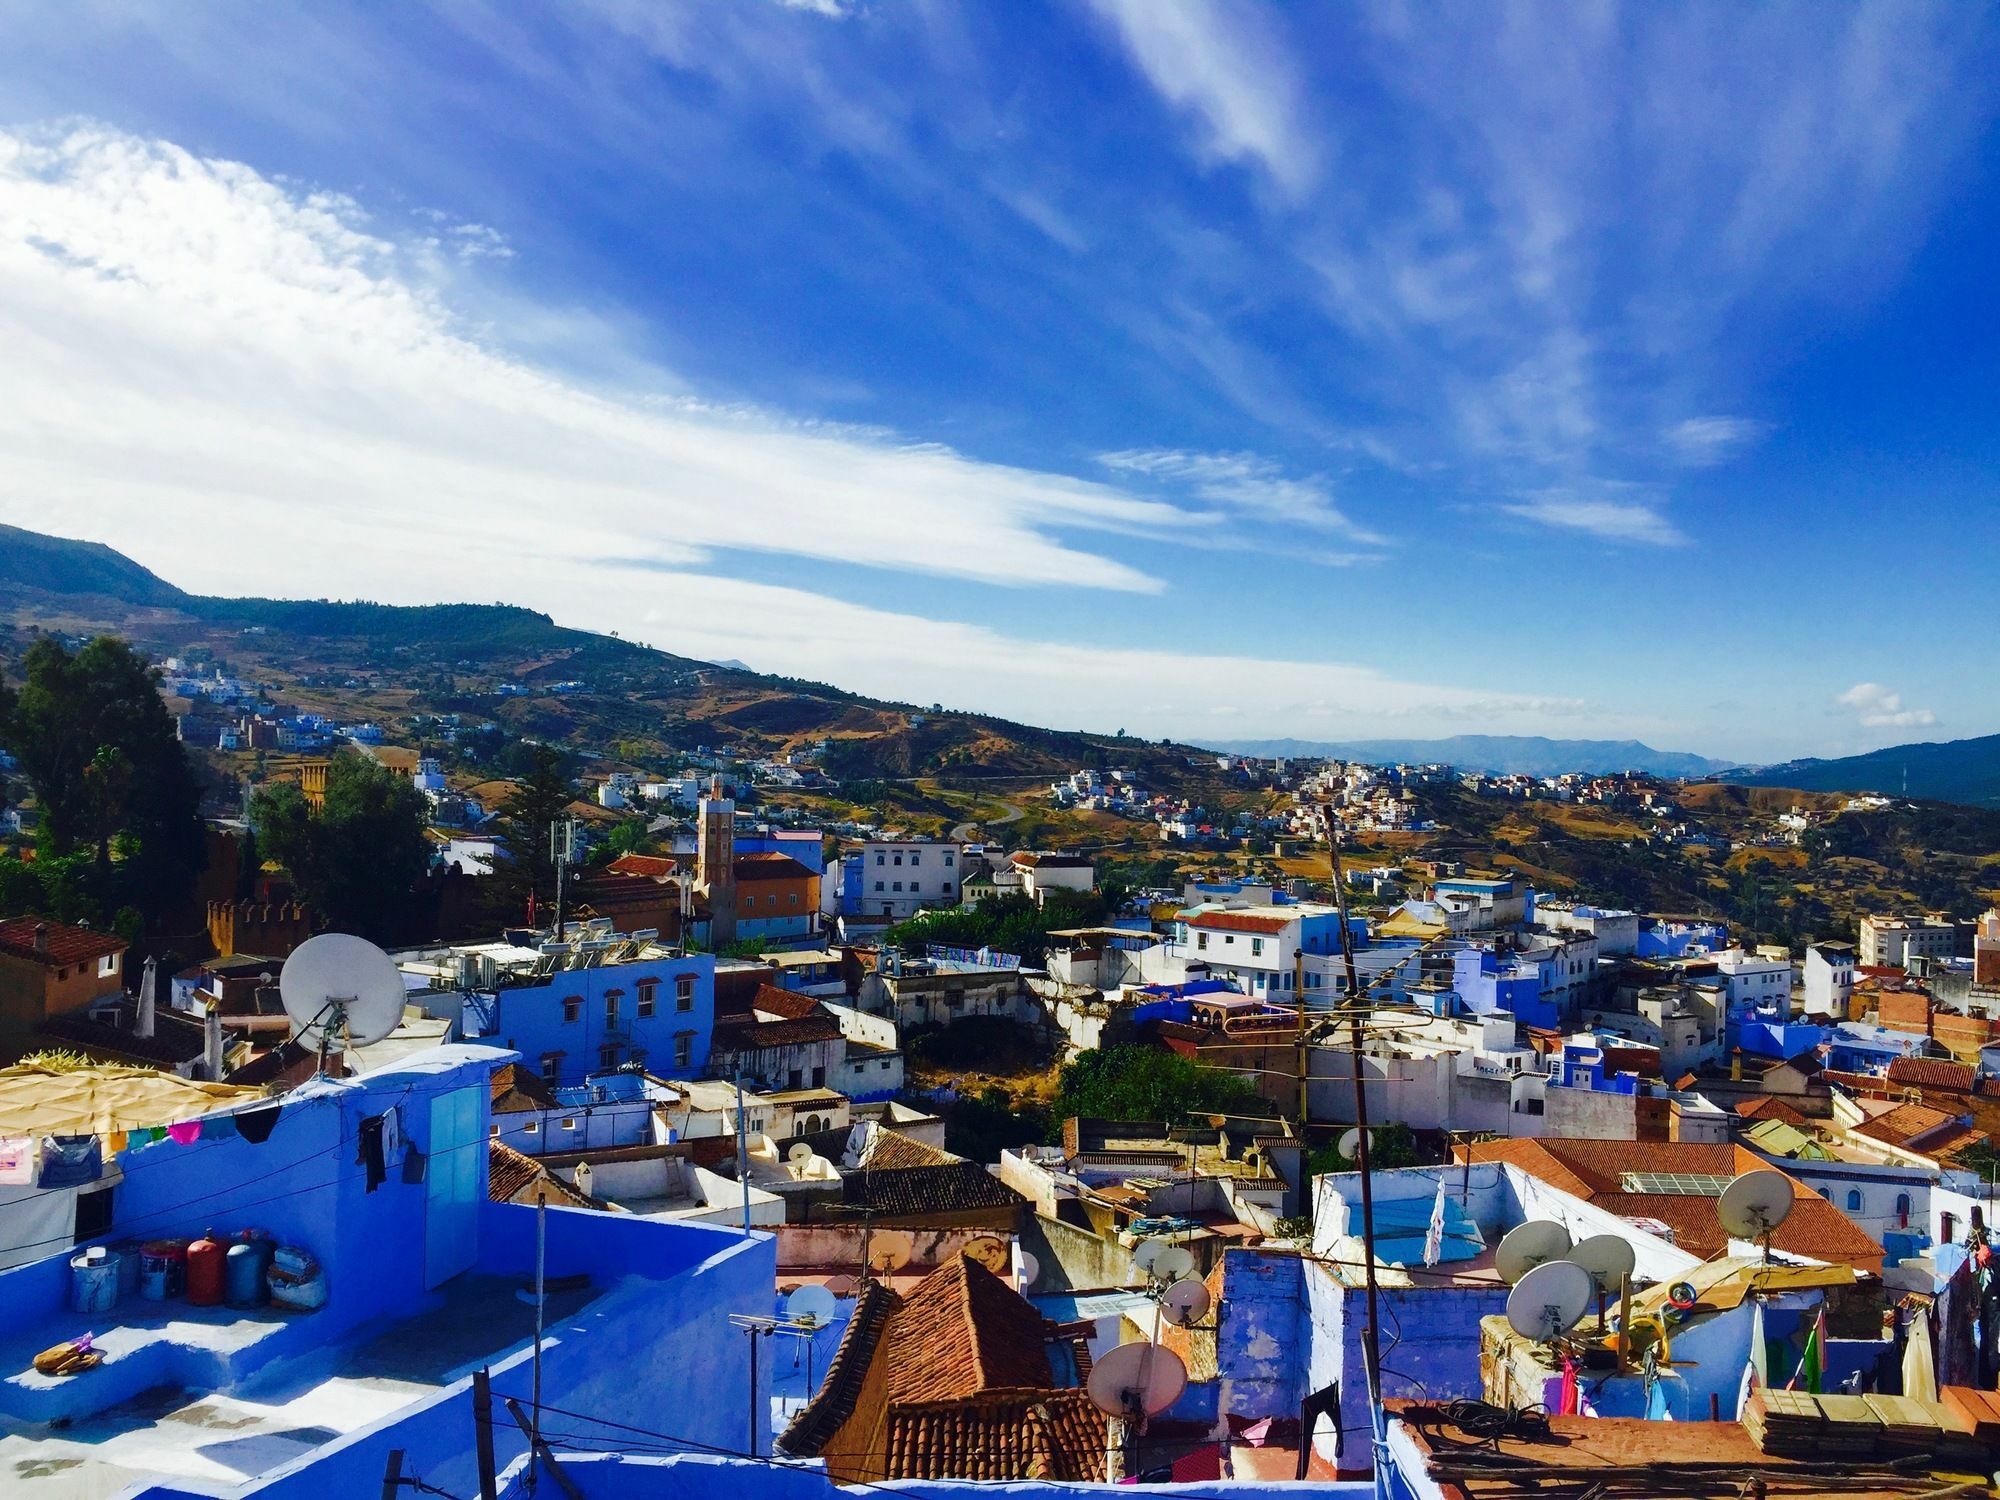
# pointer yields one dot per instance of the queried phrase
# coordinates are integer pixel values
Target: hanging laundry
(115, 1142)
(20, 1156)
(255, 1124)
(218, 1127)
(71, 1160)
(392, 1135)
(1567, 1399)
(156, 1133)
(370, 1153)
(184, 1132)
(414, 1164)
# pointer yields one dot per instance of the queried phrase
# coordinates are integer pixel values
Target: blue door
(451, 1186)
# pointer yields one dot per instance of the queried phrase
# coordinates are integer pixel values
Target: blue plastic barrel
(243, 1273)
(93, 1284)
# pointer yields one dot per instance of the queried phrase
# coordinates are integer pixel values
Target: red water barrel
(205, 1267)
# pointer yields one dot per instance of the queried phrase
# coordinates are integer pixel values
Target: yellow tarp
(1723, 1284)
(96, 1101)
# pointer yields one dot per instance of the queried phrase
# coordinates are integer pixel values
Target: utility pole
(562, 845)
(1303, 1050)
(1371, 1332)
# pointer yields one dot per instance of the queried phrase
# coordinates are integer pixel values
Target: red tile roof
(1239, 921)
(1932, 1073)
(648, 866)
(748, 1036)
(1904, 1123)
(1770, 1107)
(1594, 1171)
(789, 1004)
(517, 1091)
(65, 944)
(1005, 1434)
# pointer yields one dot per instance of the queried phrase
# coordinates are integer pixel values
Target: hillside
(534, 678)
(1965, 771)
(1499, 754)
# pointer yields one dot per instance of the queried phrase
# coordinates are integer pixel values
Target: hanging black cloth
(256, 1124)
(371, 1155)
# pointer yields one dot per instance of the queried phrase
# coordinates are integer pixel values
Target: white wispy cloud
(190, 342)
(1246, 486)
(1700, 442)
(1599, 514)
(1876, 707)
(1221, 66)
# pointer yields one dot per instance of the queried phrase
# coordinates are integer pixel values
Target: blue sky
(1212, 370)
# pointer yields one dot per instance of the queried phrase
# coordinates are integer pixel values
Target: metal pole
(541, 1292)
(743, 1161)
(1371, 1339)
(482, 1432)
(752, 1331)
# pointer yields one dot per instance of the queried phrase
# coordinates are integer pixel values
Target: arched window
(1948, 1228)
(1903, 1209)
(1854, 1200)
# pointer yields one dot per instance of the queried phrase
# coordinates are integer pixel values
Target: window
(1854, 1200)
(1201, 940)
(569, 1122)
(533, 1127)
(684, 992)
(795, 1079)
(879, 859)
(793, 899)
(1256, 946)
(684, 1049)
(607, 1055)
(1903, 1210)
(819, 1078)
(552, 1066)
(649, 990)
(493, 1132)
(947, 859)
(899, 885)
(107, 965)
(917, 857)
(899, 857)
(878, 885)
(611, 998)
(572, 1008)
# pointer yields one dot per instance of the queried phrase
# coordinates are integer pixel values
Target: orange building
(777, 898)
(49, 969)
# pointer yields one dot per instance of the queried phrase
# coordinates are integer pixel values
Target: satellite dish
(887, 1258)
(1755, 1204)
(1528, 1245)
(1172, 1263)
(1608, 1258)
(1550, 1299)
(800, 1154)
(1136, 1381)
(1145, 1251)
(1350, 1143)
(990, 1253)
(811, 1305)
(1185, 1302)
(341, 991)
(1031, 1269)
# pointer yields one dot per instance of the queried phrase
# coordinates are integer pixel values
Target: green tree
(629, 837)
(539, 799)
(354, 861)
(98, 748)
(1149, 1083)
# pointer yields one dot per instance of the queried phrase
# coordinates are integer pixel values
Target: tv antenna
(340, 990)
(1526, 1246)
(1550, 1300)
(1754, 1205)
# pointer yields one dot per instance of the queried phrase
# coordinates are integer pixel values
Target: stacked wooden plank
(1964, 1428)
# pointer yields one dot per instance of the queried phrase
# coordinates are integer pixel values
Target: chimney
(41, 937)
(212, 1043)
(142, 1019)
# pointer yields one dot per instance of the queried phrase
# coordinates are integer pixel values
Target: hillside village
(871, 1117)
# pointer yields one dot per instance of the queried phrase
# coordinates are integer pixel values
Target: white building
(901, 877)
(1890, 942)
(1617, 932)
(1829, 979)
(1752, 979)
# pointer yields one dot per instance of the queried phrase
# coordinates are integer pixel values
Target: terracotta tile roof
(789, 1004)
(998, 1435)
(909, 1192)
(749, 1036)
(891, 1150)
(1904, 1123)
(509, 1173)
(66, 945)
(812, 1427)
(1238, 921)
(1594, 1171)
(770, 866)
(1932, 1073)
(1770, 1107)
(646, 866)
(516, 1090)
(962, 1331)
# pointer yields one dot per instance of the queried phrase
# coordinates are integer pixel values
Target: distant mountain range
(1499, 754)
(1966, 771)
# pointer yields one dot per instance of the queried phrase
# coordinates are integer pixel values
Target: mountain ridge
(1498, 754)
(1963, 771)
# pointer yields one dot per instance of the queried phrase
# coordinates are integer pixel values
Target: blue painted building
(596, 1012)
(1487, 982)
(382, 1180)
(1673, 937)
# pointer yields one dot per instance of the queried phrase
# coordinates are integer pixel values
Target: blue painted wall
(529, 1019)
